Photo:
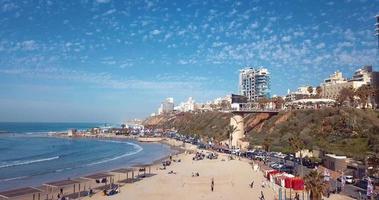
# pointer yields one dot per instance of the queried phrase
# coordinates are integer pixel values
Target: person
(263, 184)
(212, 184)
(252, 184)
(262, 196)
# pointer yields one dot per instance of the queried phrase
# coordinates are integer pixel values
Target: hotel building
(254, 83)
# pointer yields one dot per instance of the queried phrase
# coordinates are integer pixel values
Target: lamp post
(377, 29)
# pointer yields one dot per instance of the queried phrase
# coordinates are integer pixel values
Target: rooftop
(64, 182)
(123, 170)
(19, 192)
(98, 176)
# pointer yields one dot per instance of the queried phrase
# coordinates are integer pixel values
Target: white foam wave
(26, 162)
(136, 147)
(14, 178)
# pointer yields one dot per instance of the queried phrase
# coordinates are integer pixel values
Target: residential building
(332, 86)
(254, 83)
(301, 93)
(188, 106)
(167, 106)
(336, 82)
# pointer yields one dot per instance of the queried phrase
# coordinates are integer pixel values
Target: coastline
(151, 161)
(232, 179)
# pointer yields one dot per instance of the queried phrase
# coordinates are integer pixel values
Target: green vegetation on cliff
(206, 125)
(343, 131)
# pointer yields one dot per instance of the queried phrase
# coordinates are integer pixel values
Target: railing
(257, 110)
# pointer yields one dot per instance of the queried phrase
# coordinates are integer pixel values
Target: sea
(30, 157)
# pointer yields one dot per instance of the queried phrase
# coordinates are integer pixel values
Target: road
(349, 190)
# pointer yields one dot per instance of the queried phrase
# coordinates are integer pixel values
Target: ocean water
(28, 157)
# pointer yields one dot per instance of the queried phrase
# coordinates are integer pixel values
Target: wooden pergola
(125, 171)
(100, 177)
(22, 193)
(60, 187)
(143, 168)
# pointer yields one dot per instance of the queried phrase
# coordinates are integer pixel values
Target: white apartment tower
(254, 83)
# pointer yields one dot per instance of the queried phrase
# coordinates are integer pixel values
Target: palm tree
(278, 101)
(262, 102)
(229, 130)
(346, 93)
(123, 126)
(314, 183)
(318, 91)
(297, 145)
(364, 93)
(310, 90)
(267, 144)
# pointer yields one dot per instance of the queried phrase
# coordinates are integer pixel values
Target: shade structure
(123, 171)
(34, 193)
(68, 187)
(143, 168)
(98, 176)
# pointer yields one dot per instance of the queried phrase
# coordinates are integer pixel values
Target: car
(348, 179)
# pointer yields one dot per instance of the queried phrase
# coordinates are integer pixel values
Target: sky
(110, 60)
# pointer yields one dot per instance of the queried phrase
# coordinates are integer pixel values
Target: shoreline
(232, 179)
(154, 161)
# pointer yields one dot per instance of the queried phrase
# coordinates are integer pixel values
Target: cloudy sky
(108, 60)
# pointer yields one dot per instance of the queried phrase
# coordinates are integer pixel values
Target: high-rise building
(254, 83)
(167, 106)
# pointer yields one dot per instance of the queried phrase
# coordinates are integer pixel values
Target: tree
(314, 183)
(364, 93)
(346, 93)
(267, 144)
(262, 102)
(318, 91)
(297, 145)
(229, 130)
(278, 101)
(225, 105)
(310, 90)
(123, 126)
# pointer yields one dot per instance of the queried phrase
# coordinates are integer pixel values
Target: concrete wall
(239, 133)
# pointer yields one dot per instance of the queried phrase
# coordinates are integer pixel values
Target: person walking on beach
(252, 184)
(262, 196)
(212, 185)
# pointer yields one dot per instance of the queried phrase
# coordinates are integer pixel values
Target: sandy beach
(232, 180)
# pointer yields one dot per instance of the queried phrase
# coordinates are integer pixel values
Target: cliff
(346, 131)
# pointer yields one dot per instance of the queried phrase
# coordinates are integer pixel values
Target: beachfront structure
(301, 93)
(332, 86)
(254, 83)
(335, 163)
(167, 106)
(26, 193)
(188, 106)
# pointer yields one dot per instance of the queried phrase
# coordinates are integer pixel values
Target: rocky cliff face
(344, 131)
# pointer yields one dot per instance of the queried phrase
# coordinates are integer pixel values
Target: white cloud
(286, 38)
(155, 32)
(320, 45)
(28, 45)
(103, 1)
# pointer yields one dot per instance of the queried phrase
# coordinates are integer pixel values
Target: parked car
(348, 179)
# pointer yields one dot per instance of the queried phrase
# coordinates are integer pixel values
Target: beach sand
(231, 181)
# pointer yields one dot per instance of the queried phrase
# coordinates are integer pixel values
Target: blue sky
(108, 60)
